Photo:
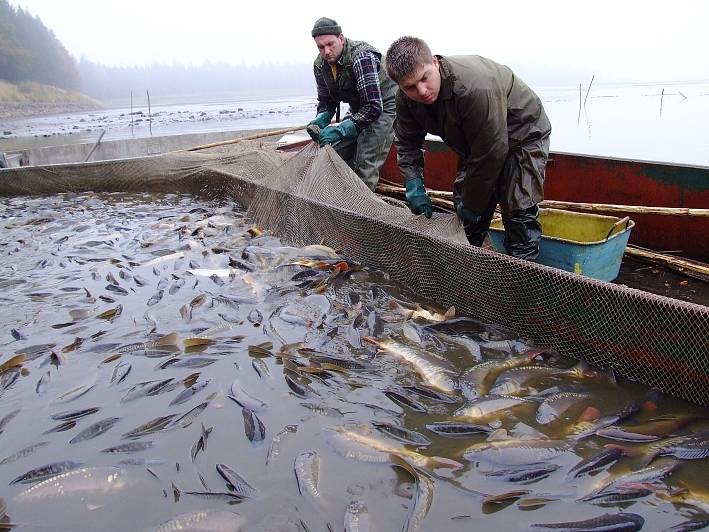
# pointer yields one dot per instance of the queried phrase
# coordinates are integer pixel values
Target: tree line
(29, 51)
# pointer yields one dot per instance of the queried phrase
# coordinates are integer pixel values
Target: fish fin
(532, 503)
(505, 497)
(450, 313)
(168, 339)
(447, 463)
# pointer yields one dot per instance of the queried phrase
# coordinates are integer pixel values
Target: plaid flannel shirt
(366, 70)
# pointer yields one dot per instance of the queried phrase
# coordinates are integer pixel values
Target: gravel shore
(14, 110)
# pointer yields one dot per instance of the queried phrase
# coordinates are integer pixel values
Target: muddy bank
(15, 110)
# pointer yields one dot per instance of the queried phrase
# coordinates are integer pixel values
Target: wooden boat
(603, 180)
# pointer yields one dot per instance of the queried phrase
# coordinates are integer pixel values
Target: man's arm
(325, 102)
(366, 71)
(408, 139)
(483, 115)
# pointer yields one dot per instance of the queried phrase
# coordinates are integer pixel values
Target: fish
(689, 447)
(384, 450)
(452, 429)
(203, 521)
(236, 482)
(43, 383)
(253, 427)
(479, 379)
(46, 471)
(154, 425)
(585, 428)
(120, 372)
(515, 381)
(421, 313)
(436, 373)
(554, 406)
(74, 414)
(306, 467)
(422, 502)
(490, 407)
(188, 393)
(645, 475)
(648, 431)
(130, 447)
(430, 394)
(516, 452)
(620, 522)
(357, 517)
(75, 393)
(149, 389)
(6, 420)
(164, 341)
(404, 400)
(524, 473)
(187, 419)
(155, 298)
(110, 314)
(95, 430)
(595, 462)
(22, 453)
(688, 526)
(85, 481)
(246, 400)
(274, 447)
(402, 434)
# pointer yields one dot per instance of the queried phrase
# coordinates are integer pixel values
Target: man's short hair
(406, 55)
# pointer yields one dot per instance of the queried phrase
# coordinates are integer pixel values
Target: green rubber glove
(416, 197)
(344, 130)
(321, 121)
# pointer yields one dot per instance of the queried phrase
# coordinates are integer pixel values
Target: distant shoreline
(15, 110)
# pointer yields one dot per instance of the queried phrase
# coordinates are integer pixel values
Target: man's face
(330, 47)
(424, 84)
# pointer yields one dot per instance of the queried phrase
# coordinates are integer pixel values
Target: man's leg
(520, 189)
(476, 226)
(522, 233)
(347, 150)
(373, 147)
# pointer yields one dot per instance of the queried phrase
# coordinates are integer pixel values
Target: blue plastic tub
(587, 244)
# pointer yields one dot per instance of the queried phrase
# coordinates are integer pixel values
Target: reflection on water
(166, 362)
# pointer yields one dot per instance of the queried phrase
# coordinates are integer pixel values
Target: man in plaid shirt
(351, 71)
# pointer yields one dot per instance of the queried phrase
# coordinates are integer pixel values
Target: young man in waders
(492, 120)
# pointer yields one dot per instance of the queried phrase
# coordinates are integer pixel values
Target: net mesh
(313, 197)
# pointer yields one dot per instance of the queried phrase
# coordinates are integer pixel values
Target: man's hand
(416, 197)
(332, 134)
(321, 122)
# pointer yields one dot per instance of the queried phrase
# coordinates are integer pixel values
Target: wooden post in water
(132, 133)
(578, 120)
(662, 95)
(150, 118)
(589, 89)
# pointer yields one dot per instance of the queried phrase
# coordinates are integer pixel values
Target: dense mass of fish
(166, 365)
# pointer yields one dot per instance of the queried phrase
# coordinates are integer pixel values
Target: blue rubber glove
(321, 121)
(333, 134)
(416, 197)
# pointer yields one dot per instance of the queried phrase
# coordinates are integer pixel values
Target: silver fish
(516, 452)
(255, 431)
(203, 521)
(23, 453)
(625, 522)
(554, 406)
(131, 447)
(242, 488)
(95, 430)
(307, 473)
(87, 480)
(46, 471)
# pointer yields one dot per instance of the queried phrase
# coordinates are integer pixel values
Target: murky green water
(93, 284)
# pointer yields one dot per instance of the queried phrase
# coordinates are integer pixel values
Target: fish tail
(633, 452)
(447, 463)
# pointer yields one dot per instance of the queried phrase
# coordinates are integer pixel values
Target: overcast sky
(644, 40)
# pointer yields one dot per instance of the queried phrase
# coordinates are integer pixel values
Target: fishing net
(313, 197)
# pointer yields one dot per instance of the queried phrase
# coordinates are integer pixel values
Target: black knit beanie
(326, 26)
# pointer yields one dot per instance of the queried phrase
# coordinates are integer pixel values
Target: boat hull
(591, 179)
